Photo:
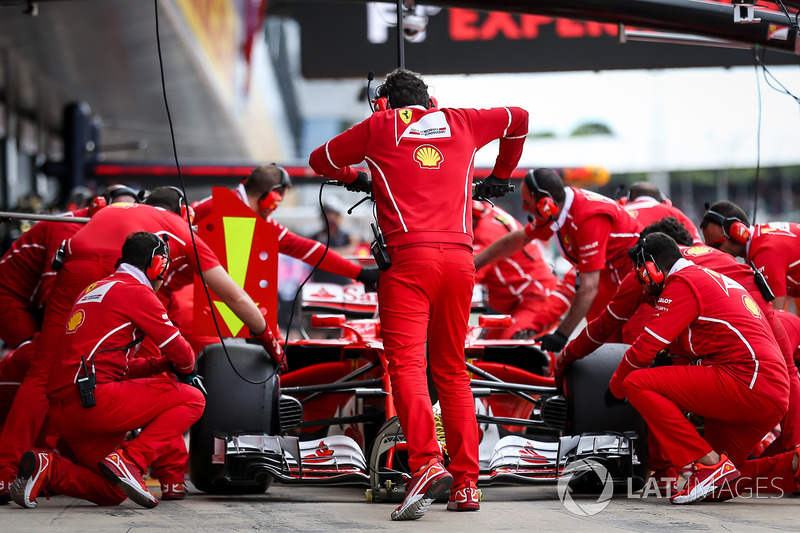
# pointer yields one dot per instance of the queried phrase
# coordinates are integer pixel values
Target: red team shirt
(524, 273)
(725, 327)
(647, 210)
(774, 249)
(109, 316)
(403, 177)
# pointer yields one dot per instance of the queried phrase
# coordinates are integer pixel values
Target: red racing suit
(522, 285)
(627, 305)
(594, 233)
(26, 277)
(647, 210)
(740, 385)
(91, 255)
(106, 322)
(421, 161)
(774, 249)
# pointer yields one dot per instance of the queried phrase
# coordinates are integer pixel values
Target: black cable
(191, 231)
(758, 138)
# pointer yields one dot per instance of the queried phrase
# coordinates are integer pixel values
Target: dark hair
(644, 188)
(140, 247)
(168, 198)
(545, 179)
(727, 210)
(265, 178)
(404, 88)
(670, 226)
(660, 246)
(112, 192)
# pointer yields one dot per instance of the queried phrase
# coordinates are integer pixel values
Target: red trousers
(13, 368)
(736, 418)
(163, 409)
(540, 311)
(426, 294)
(17, 320)
(30, 403)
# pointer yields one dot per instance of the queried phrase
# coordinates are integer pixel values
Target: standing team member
(647, 205)
(740, 386)
(422, 160)
(773, 249)
(107, 320)
(522, 285)
(594, 234)
(91, 255)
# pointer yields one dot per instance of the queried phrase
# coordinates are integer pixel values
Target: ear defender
(186, 212)
(546, 207)
(159, 261)
(96, 204)
(647, 270)
(732, 227)
(272, 198)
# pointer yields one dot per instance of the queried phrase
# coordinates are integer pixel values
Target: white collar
(562, 216)
(242, 193)
(127, 268)
(680, 264)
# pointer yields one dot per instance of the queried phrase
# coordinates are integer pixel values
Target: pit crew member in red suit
(629, 300)
(26, 274)
(522, 285)
(594, 234)
(740, 385)
(108, 320)
(91, 255)
(263, 191)
(773, 248)
(421, 159)
(791, 323)
(647, 205)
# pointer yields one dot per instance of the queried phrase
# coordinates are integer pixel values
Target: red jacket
(104, 324)
(594, 233)
(26, 274)
(774, 249)
(421, 162)
(628, 300)
(715, 319)
(511, 280)
(648, 210)
(306, 250)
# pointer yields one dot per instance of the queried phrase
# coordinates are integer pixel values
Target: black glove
(369, 277)
(362, 183)
(492, 187)
(189, 379)
(610, 399)
(553, 342)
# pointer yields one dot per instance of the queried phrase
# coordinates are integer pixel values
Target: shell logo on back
(75, 321)
(428, 157)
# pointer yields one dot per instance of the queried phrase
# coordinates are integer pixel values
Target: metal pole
(6, 216)
(401, 51)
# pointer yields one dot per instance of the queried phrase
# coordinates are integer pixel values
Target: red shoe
(33, 477)
(128, 476)
(705, 480)
(464, 497)
(173, 491)
(428, 483)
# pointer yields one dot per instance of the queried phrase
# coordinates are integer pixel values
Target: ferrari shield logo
(405, 115)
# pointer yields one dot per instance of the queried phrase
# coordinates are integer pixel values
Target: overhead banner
(350, 39)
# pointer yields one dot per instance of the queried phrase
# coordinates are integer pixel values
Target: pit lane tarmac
(303, 508)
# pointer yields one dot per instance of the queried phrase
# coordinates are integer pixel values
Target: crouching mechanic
(100, 391)
(740, 385)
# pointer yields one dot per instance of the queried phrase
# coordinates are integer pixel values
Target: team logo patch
(428, 157)
(405, 115)
(751, 306)
(75, 321)
(694, 251)
(89, 288)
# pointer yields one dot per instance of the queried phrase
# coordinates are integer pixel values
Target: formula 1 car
(330, 419)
